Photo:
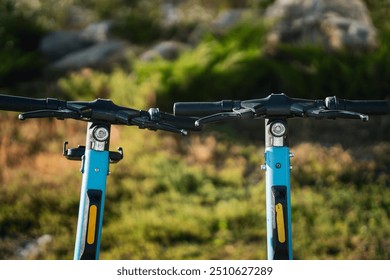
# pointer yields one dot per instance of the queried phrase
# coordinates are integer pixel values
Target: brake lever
(245, 113)
(333, 114)
(144, 123)
(216, 118)
(59, 114)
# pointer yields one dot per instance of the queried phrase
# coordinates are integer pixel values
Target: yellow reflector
(280, 223)
(92, 224)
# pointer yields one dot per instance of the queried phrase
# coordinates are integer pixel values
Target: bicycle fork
(278, 206)
(95, 158)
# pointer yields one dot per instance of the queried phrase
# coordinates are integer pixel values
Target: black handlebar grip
(179, 121)
(25, 104)
(374, 107)
(204, 108)
(368, 107)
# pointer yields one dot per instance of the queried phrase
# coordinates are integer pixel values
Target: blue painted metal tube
(278, 197)
(90, 220)
(95, 168)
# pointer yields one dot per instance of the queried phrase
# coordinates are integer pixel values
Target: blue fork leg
(93, 191)
(95, 168)
(279, 233)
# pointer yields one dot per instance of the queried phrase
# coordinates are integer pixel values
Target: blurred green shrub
(88, 84)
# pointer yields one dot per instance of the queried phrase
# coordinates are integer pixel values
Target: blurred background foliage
(200, 197)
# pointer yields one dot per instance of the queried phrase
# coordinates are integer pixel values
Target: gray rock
(334, 24)
(97, 55)
(228, 18)
(169, 50)
(171, 15)
(97, 32)
(60, 43)
(35, 247)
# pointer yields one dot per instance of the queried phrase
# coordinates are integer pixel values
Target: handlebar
(369, 107)
(204, 108)
(99, 110)
(25, 104)
(281, 106)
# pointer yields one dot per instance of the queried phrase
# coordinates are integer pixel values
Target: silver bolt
(278, 129)
(101, 133)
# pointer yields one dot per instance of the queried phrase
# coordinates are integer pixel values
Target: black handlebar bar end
(369, 107)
